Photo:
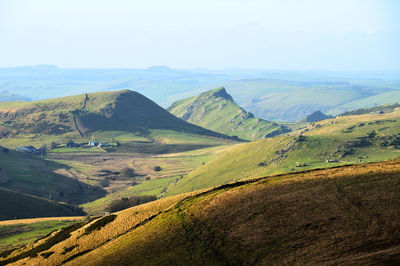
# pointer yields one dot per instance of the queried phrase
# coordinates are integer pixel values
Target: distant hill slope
(83, 114)
(382, 109)
(348, 139)
(6, 96)
(346, 215)
(385, 98)
(316, 116)
(260, 92)
(217, 111)
(285, 97)
(18, 205)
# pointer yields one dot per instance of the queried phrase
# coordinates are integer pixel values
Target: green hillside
(260, 92)
(344, 140)
(14, 205)
(135, 129)
(290, 97)
(386, 98)
(82, 115)
(217, 111)
(33, 175)
(339, 216)
(382, 109)
(16, 233)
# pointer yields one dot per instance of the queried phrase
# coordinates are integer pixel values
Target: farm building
(94, 143)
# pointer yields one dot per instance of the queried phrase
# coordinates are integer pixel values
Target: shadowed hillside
(344, 215)
(217, 111)
(41, 178)
(18, 205)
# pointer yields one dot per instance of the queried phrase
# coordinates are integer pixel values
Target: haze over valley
(199, 132)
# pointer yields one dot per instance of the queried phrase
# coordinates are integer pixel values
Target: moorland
(223, 174)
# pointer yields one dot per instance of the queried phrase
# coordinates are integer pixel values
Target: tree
(124, 203)
(43, 150)
(128, 172)
(53, 145)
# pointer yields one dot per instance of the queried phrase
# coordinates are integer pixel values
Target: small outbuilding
(93, 143)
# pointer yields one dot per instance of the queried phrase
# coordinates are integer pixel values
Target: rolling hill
(290, 96)
(382, 109)
(84, 114)
(217, 111)
(260, 92)
(344, 140)
(342, 215)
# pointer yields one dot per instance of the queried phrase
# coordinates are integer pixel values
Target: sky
(214, 34)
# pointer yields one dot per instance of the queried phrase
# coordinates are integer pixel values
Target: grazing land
(81, 144)
(341, 215)
(91, 154)
(16, 233)
(333, 142)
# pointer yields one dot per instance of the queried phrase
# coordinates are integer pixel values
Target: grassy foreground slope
(343, 215)
(344, 140)
(217, 111)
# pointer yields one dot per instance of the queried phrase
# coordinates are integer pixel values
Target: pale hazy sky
(269, 34)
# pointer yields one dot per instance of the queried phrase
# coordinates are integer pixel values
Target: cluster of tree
(124, 203)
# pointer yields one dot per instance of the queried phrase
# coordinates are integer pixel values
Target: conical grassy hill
(217, 111)
(83, 114)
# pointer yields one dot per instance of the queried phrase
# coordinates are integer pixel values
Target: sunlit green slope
(217, 111)
(344, 140)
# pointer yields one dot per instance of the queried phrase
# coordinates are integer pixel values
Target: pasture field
(16, 233)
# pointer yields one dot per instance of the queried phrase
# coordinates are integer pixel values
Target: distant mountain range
(6, 96)
(274, 95)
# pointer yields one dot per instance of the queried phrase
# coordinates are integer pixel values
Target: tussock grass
(123, 222)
